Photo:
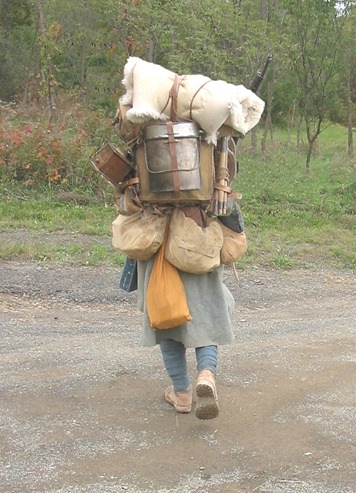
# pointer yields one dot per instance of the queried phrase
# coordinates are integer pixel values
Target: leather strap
(191, 102)
(131, 181)
(222, 174)
(173, 93)
(223, 188)
(195, 213)
(173, 156)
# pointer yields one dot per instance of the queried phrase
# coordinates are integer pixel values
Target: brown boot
(207, 397)
(182, 401)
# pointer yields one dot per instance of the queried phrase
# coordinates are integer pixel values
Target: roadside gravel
(81, 406)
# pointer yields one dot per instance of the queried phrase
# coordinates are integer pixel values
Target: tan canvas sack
(234, 246)
(191, 248)
(127, 200)
(140, 235)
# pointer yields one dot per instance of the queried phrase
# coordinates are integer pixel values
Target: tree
(348, 44)
(315, 28)
(15, 21)
(47, 48)
(14, 13)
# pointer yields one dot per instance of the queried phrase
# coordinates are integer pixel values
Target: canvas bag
(192, 248)
(234, 245)
(166, 301)
(127, 200)
(140, 235)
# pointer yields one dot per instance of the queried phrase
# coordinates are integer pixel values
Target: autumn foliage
(36, 153)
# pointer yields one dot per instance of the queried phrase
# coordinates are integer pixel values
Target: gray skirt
(210, 304)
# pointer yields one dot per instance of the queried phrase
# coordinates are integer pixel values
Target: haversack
(140, 235)
(192, 248)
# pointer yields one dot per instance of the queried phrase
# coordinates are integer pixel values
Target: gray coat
(210, 304)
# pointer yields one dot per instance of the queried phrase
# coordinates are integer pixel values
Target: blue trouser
(174, 358)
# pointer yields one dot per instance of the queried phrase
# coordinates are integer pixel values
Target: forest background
(61, 65)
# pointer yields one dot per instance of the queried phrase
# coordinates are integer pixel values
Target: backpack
(175, 165)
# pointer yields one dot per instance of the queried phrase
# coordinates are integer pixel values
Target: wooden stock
(222, 164)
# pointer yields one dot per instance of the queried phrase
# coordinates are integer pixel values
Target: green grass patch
(46, 212)
(74, 254)
(292, 219)
(298, 219)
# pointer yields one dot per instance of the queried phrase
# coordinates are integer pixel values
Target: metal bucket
(163, 175)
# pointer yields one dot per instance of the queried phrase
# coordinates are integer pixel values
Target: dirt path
(81, 403)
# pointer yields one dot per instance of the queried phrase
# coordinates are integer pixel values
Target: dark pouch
(235, 220)
(128, 280)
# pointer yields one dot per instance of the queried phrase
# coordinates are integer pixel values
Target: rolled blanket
(210, 103)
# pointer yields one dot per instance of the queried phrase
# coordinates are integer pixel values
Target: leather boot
(207, 398)
(182, 401)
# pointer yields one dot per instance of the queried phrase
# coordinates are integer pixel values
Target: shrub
(36, 153)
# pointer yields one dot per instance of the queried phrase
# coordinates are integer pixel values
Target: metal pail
(159, 159)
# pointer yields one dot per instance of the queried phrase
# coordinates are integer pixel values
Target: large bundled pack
(178, 164)
(179, 133)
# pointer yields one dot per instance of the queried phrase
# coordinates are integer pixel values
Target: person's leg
(174, 358)
(173, 354)
(207, 399)
(207, 358)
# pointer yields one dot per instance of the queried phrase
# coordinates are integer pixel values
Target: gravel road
(82, 408)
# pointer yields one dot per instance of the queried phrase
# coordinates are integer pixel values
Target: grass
(298, 219)
(45, 211)
(292, 219)
(75, 252)
(41, 227)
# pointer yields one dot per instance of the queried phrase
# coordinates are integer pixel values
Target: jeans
(174, 359)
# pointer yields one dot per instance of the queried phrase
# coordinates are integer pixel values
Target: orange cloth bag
(166, 301)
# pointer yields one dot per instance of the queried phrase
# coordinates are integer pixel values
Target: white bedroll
(209, 103)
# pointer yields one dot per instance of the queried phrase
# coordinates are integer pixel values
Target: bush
(36, 153)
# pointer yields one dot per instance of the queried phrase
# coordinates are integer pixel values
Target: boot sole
(207, 405)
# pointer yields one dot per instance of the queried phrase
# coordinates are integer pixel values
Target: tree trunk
(254, 141)
(152, 49)
(268, 120)
(299, 133)
(309, 155)
(264, 10)
(291, 118)
(350, 144)
(83, 64)
(312, 138)
(46, 62)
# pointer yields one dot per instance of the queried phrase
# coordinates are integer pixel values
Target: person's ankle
(188, 390)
